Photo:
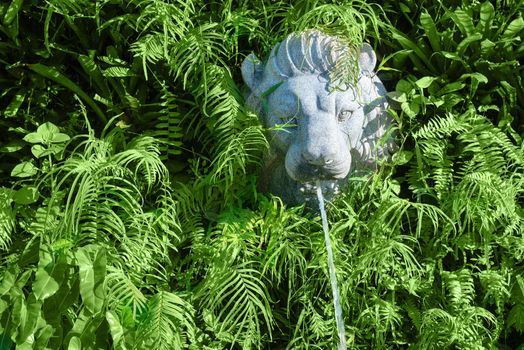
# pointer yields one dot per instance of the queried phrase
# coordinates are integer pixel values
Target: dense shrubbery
(129, 216)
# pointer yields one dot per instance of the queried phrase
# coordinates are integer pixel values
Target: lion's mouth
(306, 173)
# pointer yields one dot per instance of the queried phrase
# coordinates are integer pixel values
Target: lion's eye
(344, 115)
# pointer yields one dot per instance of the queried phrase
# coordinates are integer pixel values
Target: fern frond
(165, 23)
(150, 48)
(72, 8)
(395, 213)
(243, 150)
(383, 315)
(287, 245)
(239, 299)
(168, 131)
(171, 18)
(481, 192)
(7, 217)
(439, 128)
(496, 286)
(123, 291)
(143, 156)
(461, 288)
(438, 329)
(167, 323)
(190, 55)
(385, 258)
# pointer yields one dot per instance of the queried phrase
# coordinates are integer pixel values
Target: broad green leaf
(451, 100)
(425, 82)
(12, 109)
(34, 137)
(74, 344)
(47, 129)
(410, 108)
(513, 28)
(117, 331)
(487, 13)
(92, 274)
(19, 310)
(8, 282)
(487, 47)
(85, 329)
(46, 133)
(404, 86)
(24, 169)
(404, 8)
(44, 285)
(3, 306)
(431, 31)
(397, 96)
(26, 195)
(420, 54)
(43, 133)
(12, 11)
(59, 137)
(53, 74)
(44, 335)
(455, 86)
(402, 157)
(463, 45)
(68, 292)
(12, 146)
(476, 79)
(28, 323)
(451, 56)
(92, 69)
(22, 280)
(509, 91)
(40, 151)
(463, 21)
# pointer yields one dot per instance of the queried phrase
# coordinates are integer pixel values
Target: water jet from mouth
(331, 267)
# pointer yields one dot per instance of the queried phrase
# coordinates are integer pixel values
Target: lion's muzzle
(313, 157)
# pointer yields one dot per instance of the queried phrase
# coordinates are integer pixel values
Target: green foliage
(129, 213)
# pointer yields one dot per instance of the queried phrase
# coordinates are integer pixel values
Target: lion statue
(321, 128)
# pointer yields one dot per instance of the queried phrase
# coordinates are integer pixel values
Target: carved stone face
(318, 133)
(323, 125)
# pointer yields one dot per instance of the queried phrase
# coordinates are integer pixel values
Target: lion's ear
(367, 59)
(251, 67)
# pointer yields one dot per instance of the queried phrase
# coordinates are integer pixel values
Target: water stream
(331, 266)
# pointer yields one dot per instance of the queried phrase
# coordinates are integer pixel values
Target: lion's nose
(317, 159)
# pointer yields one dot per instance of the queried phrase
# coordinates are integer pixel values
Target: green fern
(239, 299)
(7, 217)
(168, 323)
(168, 131)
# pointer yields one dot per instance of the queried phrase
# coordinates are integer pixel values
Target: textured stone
(322, 127)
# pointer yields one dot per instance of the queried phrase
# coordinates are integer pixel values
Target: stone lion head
(319, 130)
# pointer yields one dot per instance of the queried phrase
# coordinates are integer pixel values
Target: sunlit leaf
(92, 265)
(26, 195)
(24, 169)
(44, 285)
